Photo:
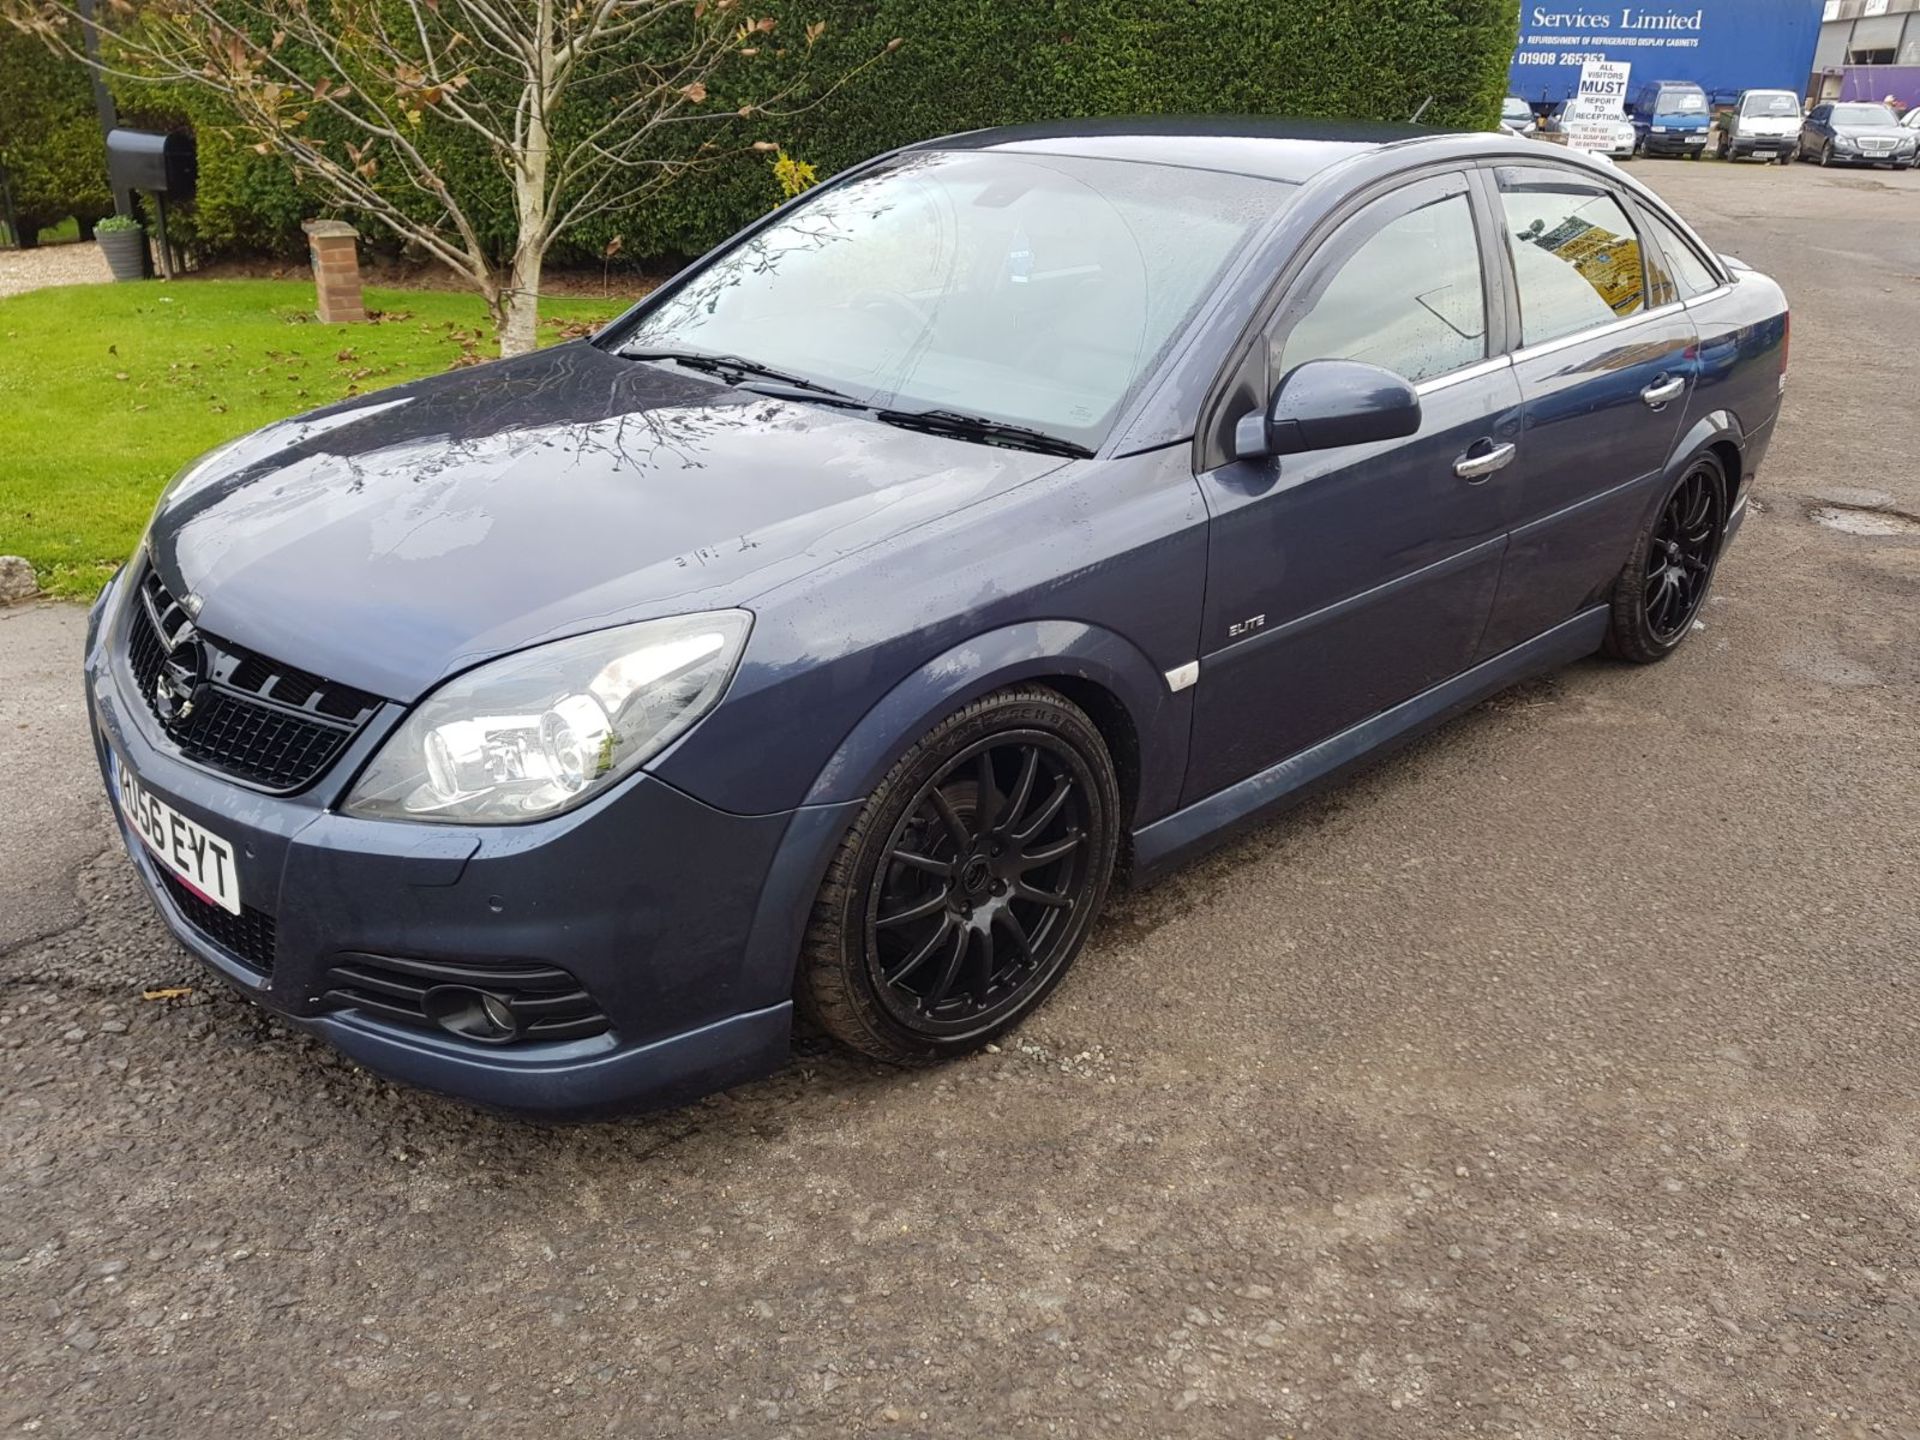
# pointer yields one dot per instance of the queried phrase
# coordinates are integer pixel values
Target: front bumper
(1689, 142)
(1858, 156)
(1761, 144)
(681, 921)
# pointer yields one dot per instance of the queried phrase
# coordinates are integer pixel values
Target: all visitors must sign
(1601, 98)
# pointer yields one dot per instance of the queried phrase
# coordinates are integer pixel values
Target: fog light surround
(472, 1014)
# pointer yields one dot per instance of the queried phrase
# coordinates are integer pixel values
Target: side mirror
(1325, 404)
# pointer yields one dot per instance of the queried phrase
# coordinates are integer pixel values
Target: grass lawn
(107, 390)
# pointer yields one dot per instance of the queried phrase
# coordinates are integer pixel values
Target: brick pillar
(336, 271)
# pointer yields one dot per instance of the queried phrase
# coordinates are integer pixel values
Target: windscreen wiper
(734, 368)
(962, 426)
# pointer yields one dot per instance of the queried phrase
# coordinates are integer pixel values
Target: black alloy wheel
(1660, 593)
(967, 885)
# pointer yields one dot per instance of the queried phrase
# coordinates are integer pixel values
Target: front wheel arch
(1143, 722)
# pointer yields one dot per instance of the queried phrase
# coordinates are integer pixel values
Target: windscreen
(1680, 102)
(1028, 288)
(1777, 106)
(1863, 115)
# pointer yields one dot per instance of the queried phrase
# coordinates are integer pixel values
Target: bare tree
(393, 77)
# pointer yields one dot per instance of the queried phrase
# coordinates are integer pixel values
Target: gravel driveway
(1561, 1076)
(76, 264)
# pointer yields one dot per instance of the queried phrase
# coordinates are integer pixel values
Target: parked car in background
(1615, 131)
(1670, 117)
(831, 628)
(1765, 123)
(1857, 132)
(1516, 116)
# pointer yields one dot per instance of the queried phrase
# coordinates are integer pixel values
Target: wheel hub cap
(975, 876)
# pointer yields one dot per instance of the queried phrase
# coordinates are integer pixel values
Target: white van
(1763, 122)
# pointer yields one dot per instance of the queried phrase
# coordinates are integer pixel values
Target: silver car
(1516, 116)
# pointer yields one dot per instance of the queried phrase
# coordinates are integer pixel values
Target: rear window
(1680, 102)
(1771, 105)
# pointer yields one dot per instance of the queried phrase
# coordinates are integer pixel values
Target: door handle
(1478, 467)
(1661, 391)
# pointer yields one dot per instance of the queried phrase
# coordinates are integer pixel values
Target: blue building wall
(1724, 46)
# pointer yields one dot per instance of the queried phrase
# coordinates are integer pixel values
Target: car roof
(1268, 147)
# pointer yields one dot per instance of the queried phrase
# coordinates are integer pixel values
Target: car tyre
(1826, 154)
(1661, 592)
(966, 887)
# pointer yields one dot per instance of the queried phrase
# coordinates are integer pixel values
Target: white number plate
(202, 860)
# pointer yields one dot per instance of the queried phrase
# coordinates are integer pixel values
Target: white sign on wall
(1601, 98)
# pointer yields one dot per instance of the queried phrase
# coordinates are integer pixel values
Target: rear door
(1727, 337)
(1605, 368)
(1343, 581)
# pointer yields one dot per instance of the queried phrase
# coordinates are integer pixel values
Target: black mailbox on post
(159, 164)
(162, 165)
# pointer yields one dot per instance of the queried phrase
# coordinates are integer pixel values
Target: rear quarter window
(1691, 275)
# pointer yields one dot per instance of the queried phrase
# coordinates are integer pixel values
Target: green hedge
(965, 64)
(50, 143)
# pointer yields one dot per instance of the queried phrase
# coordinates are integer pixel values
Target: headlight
(539, 732)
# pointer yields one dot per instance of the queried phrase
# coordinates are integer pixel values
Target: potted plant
(123, 241)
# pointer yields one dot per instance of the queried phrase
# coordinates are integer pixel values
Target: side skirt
(1211, 821)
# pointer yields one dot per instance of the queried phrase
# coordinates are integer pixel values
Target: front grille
(248, 936)
(250, 717)
(549, 1002)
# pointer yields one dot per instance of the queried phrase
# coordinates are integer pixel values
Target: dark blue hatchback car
(1017, 511)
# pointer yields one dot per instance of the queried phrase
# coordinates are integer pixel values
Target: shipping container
(1723, 46)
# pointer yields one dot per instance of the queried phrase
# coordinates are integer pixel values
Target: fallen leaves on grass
(574, 329)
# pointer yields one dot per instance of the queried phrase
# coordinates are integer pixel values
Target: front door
(1605, 369)
(1342, 582)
